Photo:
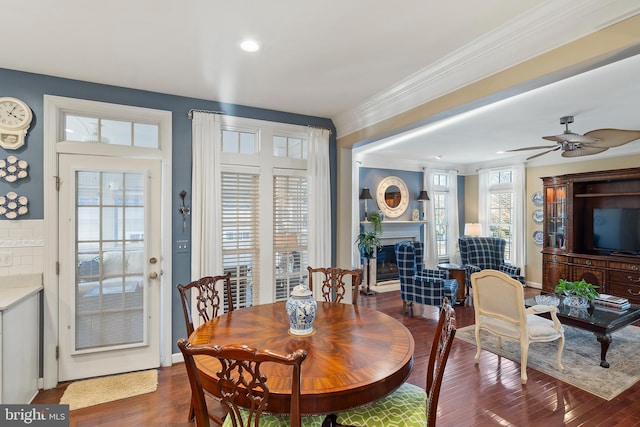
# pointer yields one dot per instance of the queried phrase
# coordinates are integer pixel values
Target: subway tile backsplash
(21, 247)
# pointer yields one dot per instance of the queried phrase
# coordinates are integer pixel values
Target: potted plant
(368, 243)
(577, 294)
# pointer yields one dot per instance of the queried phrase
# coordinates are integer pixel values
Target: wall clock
(15, 119)
(392, 196)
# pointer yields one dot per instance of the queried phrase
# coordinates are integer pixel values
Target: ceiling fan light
(583, 151)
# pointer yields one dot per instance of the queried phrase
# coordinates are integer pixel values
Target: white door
(110, 265)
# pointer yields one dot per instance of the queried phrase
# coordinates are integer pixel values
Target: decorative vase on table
(301, 310)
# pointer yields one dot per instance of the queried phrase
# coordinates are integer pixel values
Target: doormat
(580, 358)
(80, 394)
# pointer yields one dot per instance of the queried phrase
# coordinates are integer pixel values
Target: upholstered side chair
(480, 253)
(238, 364)
(498, 301)
(335, 283)
(411, 405)
(420, 285)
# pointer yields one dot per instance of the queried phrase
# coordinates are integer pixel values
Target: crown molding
(548, 26)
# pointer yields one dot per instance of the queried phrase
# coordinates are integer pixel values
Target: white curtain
(319, 200)
(430, 249)
(206, 259)
(518, 256)
(453, 221)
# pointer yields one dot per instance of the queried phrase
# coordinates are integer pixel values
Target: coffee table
(601, 321)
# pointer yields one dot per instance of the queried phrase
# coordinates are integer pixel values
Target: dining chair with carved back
(334, 285)
(209, 303)
(242, 387)
(411, 405)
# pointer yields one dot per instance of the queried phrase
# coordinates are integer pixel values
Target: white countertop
(14, 289)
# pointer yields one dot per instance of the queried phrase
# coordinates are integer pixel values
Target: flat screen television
(617, 230)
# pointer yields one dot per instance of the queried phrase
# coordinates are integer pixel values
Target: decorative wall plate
(538, 237)
(538, 216)
(537, 198)
(13, 205)
(13, 169)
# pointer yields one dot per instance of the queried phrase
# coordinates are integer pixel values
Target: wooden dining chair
(209, 304)
(209, 301)
(242, 388)
(334, 287)
(411, 405)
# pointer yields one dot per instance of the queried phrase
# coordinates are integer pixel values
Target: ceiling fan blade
(539, 147)
(613, 137)
(543, 153)
(571, 137)
(583, 151)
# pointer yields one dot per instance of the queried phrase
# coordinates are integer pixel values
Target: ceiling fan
(575, 145)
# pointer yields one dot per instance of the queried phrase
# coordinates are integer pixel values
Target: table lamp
(473, 229)
(365, 195)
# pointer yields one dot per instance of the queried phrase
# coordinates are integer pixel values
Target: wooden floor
(488, 394)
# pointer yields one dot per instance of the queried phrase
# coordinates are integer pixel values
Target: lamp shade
(473, 229)
(365, 194)
(423, 195)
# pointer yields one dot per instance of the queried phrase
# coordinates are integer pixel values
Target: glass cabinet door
(555, 217)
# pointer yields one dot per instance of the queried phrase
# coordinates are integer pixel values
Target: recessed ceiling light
(250, 46)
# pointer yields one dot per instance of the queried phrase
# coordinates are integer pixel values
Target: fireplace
(386, 266)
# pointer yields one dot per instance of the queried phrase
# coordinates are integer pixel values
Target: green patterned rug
(580, 358)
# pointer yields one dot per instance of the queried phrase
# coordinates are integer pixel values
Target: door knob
(153, 275)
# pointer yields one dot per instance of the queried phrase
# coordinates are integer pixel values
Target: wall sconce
(184, 210)
(472, 229)
(423, 197)
(365, 195)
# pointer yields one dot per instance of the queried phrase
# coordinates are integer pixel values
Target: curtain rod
(320, 127)
(190, 112)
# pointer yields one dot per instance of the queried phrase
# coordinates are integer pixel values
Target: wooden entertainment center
(568, 246)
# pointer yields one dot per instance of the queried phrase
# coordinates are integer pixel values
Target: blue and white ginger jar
(301, 310)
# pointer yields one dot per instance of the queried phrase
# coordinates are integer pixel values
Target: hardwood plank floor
(487, 394)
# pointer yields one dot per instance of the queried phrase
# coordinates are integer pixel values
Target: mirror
(392, 197)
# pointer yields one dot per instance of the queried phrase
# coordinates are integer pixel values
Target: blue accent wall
(31, 88)
(371, 177)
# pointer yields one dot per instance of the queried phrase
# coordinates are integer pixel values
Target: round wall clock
(392, 196)
(15, 119)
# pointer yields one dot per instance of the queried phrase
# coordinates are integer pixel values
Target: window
(501, 207)
(240, 235)
(239, 142)
(294, 148)
(265, 208)
(441, 210)
(113, 132)
(290, 227)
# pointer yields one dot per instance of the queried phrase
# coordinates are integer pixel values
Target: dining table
(355, 355)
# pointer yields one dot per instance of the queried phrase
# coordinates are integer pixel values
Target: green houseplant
(368, 243)
(579, 294)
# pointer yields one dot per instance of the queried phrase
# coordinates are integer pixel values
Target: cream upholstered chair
(411, 405)
(499, 309)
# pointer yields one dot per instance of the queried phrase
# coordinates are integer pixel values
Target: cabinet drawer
(589, 262)
(624, 277)
(630, 291)
(624, 266)
(554, 258)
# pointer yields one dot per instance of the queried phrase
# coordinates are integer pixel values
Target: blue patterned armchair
(482, 253)
(420, 285)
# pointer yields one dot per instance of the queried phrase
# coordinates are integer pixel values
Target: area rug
(81, 394)
(580, 358)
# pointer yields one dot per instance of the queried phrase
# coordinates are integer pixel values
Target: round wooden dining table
(355, 355)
